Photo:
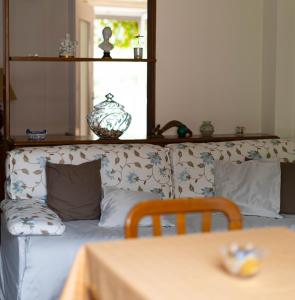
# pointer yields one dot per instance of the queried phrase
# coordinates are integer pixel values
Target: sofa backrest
(142, 167)
(178, 170)
(192, 164)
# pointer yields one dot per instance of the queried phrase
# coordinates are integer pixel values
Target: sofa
(37, 248)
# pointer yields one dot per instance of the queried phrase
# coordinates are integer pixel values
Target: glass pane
(128, 83)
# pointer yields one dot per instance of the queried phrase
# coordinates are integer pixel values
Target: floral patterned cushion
(30, 217)
(137, 167)
(192, 164)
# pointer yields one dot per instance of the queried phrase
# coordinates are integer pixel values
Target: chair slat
(180, 207)
(206, 222)
(180, 223)
(156, 225)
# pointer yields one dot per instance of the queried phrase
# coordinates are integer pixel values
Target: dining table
(183, 267)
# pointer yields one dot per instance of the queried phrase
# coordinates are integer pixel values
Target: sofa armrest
(30, 217)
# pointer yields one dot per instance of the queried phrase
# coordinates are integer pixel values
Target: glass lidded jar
(109, 120)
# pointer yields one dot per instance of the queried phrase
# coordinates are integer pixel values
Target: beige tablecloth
(183, 268)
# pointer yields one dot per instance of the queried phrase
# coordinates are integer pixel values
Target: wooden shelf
(76, 59)
(53, 140)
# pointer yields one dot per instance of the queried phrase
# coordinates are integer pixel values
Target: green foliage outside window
(124, 32)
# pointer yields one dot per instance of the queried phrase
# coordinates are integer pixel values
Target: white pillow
(253, 185)
(116, 204)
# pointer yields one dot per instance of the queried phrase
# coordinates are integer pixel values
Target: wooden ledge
(55, 140)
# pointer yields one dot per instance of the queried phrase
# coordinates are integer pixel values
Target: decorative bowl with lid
(36, 135)
(109, 120)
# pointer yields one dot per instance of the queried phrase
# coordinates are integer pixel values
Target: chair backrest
(179, 207)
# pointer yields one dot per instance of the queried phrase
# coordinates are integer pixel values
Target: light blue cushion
(116, 204)
(253, 185)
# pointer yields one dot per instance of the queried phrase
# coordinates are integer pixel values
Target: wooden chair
(180, 207)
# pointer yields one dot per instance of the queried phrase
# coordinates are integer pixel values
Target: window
(126, 81)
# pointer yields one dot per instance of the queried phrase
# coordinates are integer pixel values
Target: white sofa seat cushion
(192, 164)
(136, 167)
(31, 217)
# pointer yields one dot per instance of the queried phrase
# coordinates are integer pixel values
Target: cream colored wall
(209, 63)
(269, 47)
(285, 69)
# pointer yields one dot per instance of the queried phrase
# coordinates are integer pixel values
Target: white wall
(209, 63)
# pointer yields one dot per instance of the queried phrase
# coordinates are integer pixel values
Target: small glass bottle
(240, 130)
(138, 49)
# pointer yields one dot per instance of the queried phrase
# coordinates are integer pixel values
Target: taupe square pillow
(287, 188)
(74, 191)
